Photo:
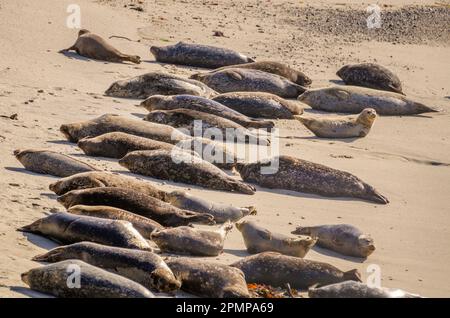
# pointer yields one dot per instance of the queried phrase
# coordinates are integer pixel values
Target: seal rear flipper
(202, 218)
(50, 257)
(353, 275)
(249, 210)
(421, 108)
(242, 187)
(373, 195)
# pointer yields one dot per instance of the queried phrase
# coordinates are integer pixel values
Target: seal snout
(155, 50)
(17, 153)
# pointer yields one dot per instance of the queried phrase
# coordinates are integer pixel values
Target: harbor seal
(205, 105)
(258, 239)
(182, 167)
(278, 270)
(52, 163)
(94, 282)
(198, 55)
(143, 267)
(354, 99)
(304, 176)
(351, 289)
(221, 212)
(207, 279)
(248, 80)
(95, 47)
(260, 105)
(156, 83)
(353, 126)
(277, 68)
(111, 123)
(143, 225)
(186, 240)
(342, 238)
(135, 202)
(70, 228)
(99, 179)
(370, 75)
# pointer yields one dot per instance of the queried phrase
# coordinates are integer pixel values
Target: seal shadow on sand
(23, 170)
(40, 241)
(333, 254)
(184, 67)
(337, 82)
(315, 138)
(76, 56)
(235, 252)
(29, 292)
(60, 142)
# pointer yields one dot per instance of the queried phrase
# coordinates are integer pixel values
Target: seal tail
(353, 275)
(373, 195)
(31, 228)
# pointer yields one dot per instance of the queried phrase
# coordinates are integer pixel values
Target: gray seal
(307, 177)
(143, 267)
(94, 282)
(198, 55)
(186, 240)
(354, 99)
(135, 202)
(261, 105)
(207, 279)
(70, 228)
(182, 167)
(156, 83)
(52, 163)
(277, 270)
(205, 105)
(370, 75)
(342, 238)
(258, 239)
(110, 123)
(93, 46)
(248, 80)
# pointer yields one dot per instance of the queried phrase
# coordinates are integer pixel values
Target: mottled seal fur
(111, 123)
(143, 225)
(278, 270)
(205, 105)
(135, 202)
(70, 228)
(304, 176)
(352, 126)
(52, 163)
(156, 83)
(370, 75)
(260, 105)
(206, 279)
(182, 167)
(186, 240)
(93, 46)
(258, 239)
(342, 238)
(248, 80)
(354, 99)
(221, 212)
(143, 267)
(198, 55)
(94, 282)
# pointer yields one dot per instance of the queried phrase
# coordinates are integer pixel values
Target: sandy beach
(406, 158)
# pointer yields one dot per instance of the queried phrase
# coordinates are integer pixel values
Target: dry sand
(405, 158)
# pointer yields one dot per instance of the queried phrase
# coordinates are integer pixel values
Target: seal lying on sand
(110, 123)
(354, 99)
(260, 105)
(351, 289)
(308, 177)
(145, 268)
(205, 279)
(155, 83)
(198, 55)
(190, 241)
(105, 179)
(93, 46)
(182, 167)
(135, 202)
(258, 239)
(370, 75)
(352, 126)
(94, 282)
(202, 105)
(52, 163)
(143, 225)
(71, 228)
(342, 238)
(278, 270)
(221, 212)
(248, 80)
